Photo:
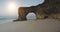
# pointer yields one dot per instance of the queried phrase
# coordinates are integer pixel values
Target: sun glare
(12, 7)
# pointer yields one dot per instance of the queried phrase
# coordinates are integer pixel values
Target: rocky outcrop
(49, 9)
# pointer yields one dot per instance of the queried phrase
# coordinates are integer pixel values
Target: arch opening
(31, 16)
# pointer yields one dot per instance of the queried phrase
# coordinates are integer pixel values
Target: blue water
(6, 19)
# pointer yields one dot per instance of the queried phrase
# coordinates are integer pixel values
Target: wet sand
(47, 25)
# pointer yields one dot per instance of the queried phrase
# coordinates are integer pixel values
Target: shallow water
(6, 19)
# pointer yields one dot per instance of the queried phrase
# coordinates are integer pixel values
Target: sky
(10, 7)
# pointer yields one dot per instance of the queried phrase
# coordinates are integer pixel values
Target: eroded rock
(50, 8)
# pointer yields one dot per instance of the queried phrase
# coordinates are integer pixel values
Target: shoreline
(29, 20)
(47, 25)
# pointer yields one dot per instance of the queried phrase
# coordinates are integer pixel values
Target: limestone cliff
(49, 9)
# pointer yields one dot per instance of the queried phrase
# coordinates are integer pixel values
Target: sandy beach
(47, 25)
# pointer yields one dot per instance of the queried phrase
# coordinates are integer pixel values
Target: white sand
(47, 25)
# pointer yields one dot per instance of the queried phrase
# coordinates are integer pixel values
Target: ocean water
(10, 19)
(6, 19)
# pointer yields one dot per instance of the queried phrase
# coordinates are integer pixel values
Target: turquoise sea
(6, 19)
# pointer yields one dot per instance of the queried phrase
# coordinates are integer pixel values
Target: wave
(6, 19)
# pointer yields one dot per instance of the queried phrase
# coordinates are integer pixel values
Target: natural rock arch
(31, 16)
(49, 9)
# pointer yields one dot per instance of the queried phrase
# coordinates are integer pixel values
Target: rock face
(49, 9)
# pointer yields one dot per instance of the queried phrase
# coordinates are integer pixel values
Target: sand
(47, 25)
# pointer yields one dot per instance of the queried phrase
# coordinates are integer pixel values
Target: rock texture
(49, 9)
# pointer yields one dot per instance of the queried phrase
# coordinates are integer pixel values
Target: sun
(11, 5)
(11, 8)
